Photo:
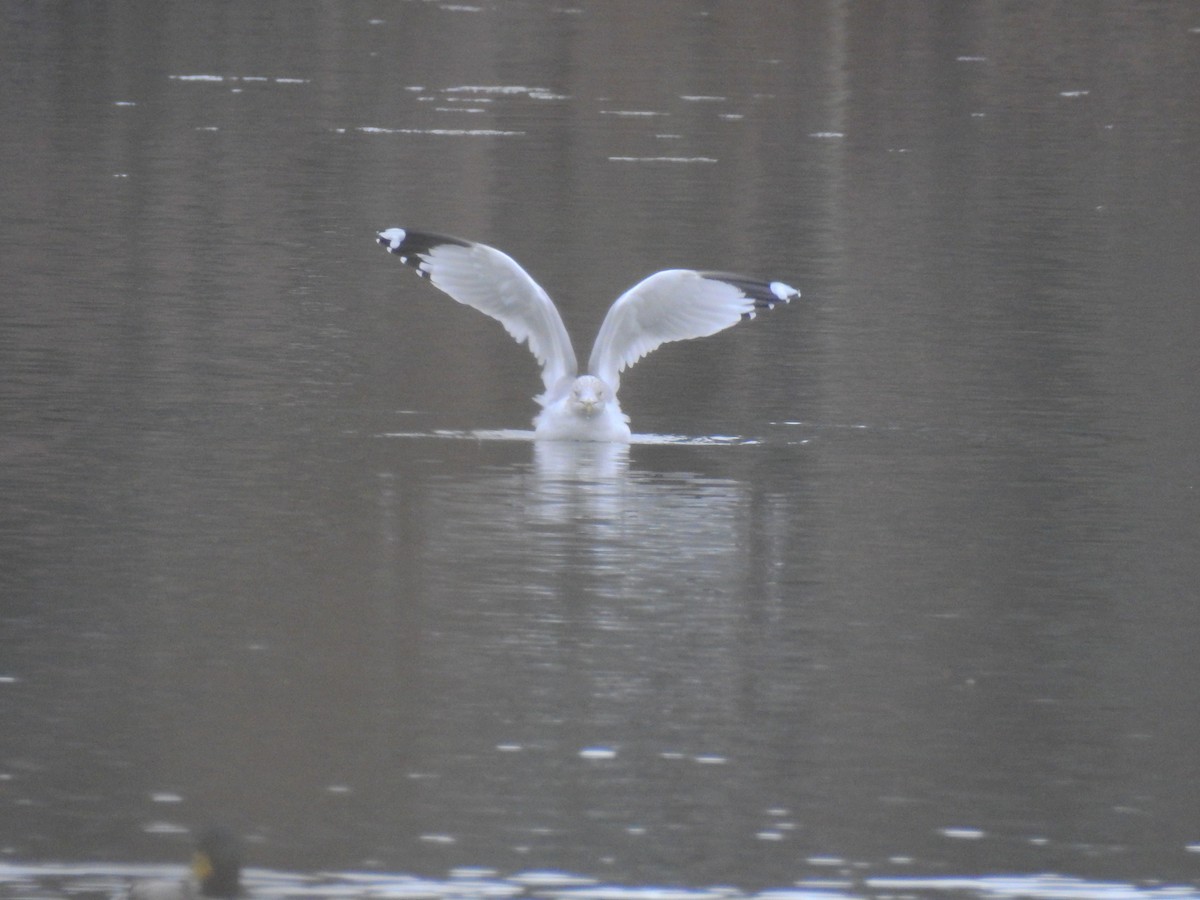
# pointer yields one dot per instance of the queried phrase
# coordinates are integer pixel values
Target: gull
(672, 305)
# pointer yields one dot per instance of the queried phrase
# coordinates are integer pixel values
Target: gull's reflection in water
(562, 598)
(575, 461)
(579, 481)
(586, 518)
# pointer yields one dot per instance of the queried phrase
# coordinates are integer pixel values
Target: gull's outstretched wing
(673, 306)
(493, 283)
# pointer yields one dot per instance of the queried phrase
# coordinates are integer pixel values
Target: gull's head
(588, 396)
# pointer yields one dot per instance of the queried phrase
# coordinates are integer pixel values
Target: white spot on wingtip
(394, 237)
(784, 292)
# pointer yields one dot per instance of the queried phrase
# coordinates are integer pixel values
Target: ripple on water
(516, 434)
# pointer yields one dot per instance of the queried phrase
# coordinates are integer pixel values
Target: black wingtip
(414, 247)
(403, 242)
(764, 294)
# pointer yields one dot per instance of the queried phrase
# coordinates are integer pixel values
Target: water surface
(898, 598)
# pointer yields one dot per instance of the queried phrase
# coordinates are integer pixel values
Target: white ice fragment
(164, 828)
(598, 753)
(473, 873)
(962, 834)
(666, 159)
(547, 879)
(495, 89)
(446, 132)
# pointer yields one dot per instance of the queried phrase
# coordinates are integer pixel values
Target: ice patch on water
(1032, 887)
(598, 753)
(43, 881)
(165, 828)
(551, 879)
(451, 132)
(962, 834)
(498, 89)
(221, 78)
(666, 159)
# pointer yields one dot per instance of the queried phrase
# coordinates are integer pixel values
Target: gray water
(910, 602)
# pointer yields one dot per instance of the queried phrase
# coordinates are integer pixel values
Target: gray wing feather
(492, 282)
(676, 305)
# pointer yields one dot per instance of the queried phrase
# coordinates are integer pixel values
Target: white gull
(672, 305)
